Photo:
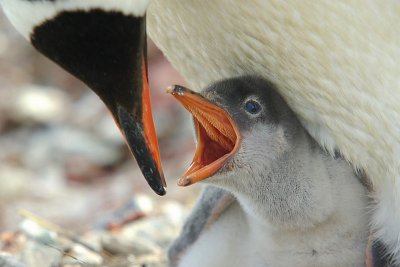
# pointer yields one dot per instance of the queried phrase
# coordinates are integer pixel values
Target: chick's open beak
(218, 137)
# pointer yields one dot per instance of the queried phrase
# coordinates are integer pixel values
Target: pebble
(71, 141)
(84, 255)
(129, 212)
(7, 260)
(120, 245)
(141, 243)
(108, 130)
(38, 233)
(96, 119)
(12, 188)
(39, 104)
(36, 254)
(145, 203)
(160, 230)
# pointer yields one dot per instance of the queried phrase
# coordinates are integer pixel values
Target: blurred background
(63, 159)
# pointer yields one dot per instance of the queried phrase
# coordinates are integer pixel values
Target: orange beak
(218, 137)
(136, 124)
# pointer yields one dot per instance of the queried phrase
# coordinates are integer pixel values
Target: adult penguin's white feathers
(26, 15)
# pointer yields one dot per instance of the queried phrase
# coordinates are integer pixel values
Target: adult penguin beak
(105, 47)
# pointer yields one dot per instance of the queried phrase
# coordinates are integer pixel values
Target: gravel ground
(70, 192)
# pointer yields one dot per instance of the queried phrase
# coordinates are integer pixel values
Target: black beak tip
(157, 185)
(160, 191)
(176, 89)
(134, 135)
(154, 178)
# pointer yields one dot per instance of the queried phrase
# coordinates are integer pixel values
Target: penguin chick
(295, 205)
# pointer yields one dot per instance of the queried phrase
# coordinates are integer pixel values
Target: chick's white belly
(238, 240)
(226, 243)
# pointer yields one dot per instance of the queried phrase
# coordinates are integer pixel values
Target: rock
(162, 229)
(40, 104)
(145, 203)
(155, 260)
(45, 248)
(79, 254)
(129, 212)
(13, 182)
(86, 111)
(77, 150)
(108, 130)
(36, 254)
(74, 141)
(96, 119)
(175, 212)
(7, 260)
(38, 233)
(120, 245)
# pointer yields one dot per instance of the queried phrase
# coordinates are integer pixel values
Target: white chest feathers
(238, 239)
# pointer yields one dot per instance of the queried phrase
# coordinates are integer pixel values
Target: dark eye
(252, 107)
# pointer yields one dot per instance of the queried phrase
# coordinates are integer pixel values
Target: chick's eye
(252, 107)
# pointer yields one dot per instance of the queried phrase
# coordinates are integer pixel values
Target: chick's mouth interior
(216, 140)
